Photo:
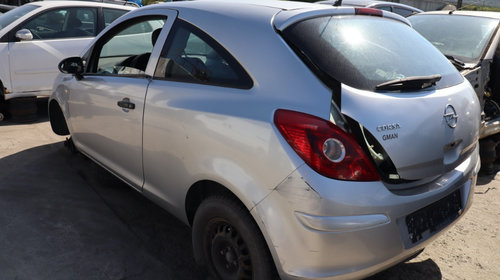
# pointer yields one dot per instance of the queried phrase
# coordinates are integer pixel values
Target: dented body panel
(347, 230)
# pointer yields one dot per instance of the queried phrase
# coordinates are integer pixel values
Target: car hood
(425, 133)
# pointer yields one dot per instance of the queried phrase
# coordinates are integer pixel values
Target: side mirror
(71, 65)
(24, 35)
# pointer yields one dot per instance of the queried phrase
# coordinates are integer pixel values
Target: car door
(106, 104)
(57, 33)
(194, 76)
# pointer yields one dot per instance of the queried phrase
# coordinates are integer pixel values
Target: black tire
(228, 243)
(23, 109)
(3, 103)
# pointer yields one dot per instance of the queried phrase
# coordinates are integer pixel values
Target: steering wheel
(44, 28)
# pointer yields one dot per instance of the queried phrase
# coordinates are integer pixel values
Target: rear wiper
(410, 83)
(455, 61)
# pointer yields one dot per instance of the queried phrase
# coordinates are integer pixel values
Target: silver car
(296, 139)
(470, 40)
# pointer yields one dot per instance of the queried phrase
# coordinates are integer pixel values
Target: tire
(23, 109)
(3, 103)
(228, 243)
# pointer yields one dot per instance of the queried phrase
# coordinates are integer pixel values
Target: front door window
(63, 23)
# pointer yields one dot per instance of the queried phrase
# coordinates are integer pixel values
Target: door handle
(126, 104)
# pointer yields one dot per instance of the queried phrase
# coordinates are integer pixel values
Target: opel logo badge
(450, 116)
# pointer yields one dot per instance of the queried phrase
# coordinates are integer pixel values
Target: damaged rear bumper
(319, 228)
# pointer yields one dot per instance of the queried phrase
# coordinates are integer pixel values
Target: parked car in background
(36, 36)
(22, 2)
(5, 8)
(400, 9)
(470, 40)
(134, 3)
(282, 132)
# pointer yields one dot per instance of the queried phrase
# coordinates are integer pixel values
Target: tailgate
(425, 133)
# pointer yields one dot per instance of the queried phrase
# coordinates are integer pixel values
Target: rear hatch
(394, 86)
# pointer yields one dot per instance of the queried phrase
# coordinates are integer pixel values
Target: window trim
(245, 81)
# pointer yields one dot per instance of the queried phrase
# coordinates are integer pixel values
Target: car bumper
(489, 128)
(318, 228)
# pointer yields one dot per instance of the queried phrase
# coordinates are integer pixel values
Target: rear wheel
(227, 241)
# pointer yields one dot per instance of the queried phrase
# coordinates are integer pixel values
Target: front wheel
(227, 241)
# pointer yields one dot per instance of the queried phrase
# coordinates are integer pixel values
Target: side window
(63, 23)
(127, 50)
(402, 11)
(111, 15)
(190, 55)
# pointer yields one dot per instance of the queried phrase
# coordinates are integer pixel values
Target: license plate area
(434, 217)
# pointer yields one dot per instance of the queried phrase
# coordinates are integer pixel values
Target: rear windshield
(463, 37)
(365, 51)
(10, 16)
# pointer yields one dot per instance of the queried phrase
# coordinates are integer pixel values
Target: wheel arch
(201, 190)
(204, 189)
(57, 120)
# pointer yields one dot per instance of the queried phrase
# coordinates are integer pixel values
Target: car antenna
(461, 8)
(337, 3)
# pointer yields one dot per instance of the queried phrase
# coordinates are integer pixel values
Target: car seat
(73, 29)
(140, 61)
(180, 65)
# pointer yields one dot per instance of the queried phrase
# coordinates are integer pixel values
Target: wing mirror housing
(24, 35)
(72, 65)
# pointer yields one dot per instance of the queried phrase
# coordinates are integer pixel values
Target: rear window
(463, 37)
(363, 52)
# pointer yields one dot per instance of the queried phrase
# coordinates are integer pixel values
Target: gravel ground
(468, 250)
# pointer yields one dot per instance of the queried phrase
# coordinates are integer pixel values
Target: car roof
(485, 14)
(225, 11)
(212, 5)
(57, 3)
(253, 8)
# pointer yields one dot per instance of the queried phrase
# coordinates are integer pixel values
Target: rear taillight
(325, 147)
(368, 12)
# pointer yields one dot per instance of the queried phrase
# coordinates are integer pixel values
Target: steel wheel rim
(228, 251)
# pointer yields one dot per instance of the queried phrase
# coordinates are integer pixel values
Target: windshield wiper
(410, 83)
(455, 61)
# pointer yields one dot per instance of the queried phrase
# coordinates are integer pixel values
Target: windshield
(462, 37)
(363, 51)
(12, 15)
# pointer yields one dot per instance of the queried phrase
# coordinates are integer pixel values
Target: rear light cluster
(325, 147)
